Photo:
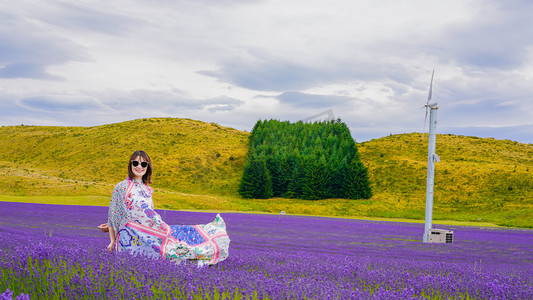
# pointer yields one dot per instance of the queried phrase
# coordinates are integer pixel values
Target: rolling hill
(189, 157)
(198, 165)
(477, 178)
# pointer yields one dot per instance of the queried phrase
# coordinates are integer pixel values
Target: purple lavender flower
(290, 258)
(8, 295)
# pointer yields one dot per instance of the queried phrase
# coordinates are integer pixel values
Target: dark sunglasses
(135, 163)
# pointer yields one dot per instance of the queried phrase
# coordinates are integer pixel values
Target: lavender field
(56, 252)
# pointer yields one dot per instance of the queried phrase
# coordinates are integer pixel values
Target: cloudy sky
(233, 62)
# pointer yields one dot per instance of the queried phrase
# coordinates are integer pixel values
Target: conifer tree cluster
(303, 160)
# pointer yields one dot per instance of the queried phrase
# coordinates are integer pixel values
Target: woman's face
(138, 170)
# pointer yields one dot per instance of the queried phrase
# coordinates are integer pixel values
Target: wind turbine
(432, 157)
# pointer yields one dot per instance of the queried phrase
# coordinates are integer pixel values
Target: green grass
(188, 156)
(476, 180)
(198, 166)
(62, 200)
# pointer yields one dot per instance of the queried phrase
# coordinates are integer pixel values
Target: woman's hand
(111, 246)
(104, 227)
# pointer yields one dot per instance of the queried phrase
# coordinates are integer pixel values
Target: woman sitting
(133, 224)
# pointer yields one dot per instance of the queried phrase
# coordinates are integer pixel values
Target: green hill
(189, 157)
(477, 178)
(199, 165)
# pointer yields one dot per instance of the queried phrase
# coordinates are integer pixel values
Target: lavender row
(52, 251)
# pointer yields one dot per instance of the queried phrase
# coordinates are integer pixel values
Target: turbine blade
(431, 87)
(427, 103)
(425, 120)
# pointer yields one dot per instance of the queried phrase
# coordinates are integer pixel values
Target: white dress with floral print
(141, 230)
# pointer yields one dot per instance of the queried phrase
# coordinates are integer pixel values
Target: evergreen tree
(279, 184)
(316, 181)
(286, 167)
(336, 182)
(356, 184)
(247, 185)
(303, 160)
(263, 181)
(295, 186)
(365, 192)
(256, 181)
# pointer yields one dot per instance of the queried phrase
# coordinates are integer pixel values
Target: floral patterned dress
(141, 230)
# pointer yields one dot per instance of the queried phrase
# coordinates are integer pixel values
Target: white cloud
(234, 62)
(62, 103)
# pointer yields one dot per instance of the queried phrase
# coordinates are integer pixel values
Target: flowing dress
(140, 229)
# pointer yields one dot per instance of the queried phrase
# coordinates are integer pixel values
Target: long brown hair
(147, 177)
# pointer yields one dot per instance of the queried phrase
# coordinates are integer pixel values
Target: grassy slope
(477, 179)
(198, 166)
(189, 156)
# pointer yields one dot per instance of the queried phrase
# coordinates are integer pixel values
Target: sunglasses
(135, 163)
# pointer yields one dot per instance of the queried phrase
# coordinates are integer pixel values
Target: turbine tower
(432, 157)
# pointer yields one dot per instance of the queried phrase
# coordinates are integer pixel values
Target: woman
(133, 224)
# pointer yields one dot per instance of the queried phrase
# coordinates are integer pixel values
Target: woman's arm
(111, 238)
